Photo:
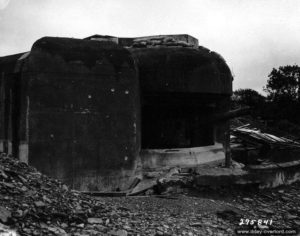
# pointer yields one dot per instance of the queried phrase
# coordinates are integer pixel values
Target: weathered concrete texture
(216, 177)
(181, 89)
(276, 174)
(84, 112)
(181, 70)
(264, 176)
(76, 109)
(159, 158)
(178, 37)
(9, 96)
(128, 42)
(79, 112)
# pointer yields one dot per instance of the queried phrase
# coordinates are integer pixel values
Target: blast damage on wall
(96, 112)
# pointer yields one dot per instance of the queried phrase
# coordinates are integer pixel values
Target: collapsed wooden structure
(251, 146)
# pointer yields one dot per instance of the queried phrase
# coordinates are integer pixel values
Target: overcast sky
(252, 35)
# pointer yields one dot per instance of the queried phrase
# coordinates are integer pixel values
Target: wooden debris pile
(255, 137)
(251, 146)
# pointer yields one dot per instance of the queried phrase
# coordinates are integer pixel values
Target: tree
(284, 84)
(248, 97)
(283, 89)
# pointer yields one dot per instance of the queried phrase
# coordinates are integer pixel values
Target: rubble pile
(256, 137)
(34, 204)
(163, 182)
(250, 145)
(159, 41)
(217, 211)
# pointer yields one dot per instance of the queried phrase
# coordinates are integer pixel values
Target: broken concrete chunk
(5, 214)
(237, 165)
(3, 174)
(65, 187)
(95, 220)
(39, 204)
(19, 213)
(9, 185)
(143, 186)
(57, 231)
(47, 199)
(81, 226)
(118, 233)
(246, 199)
(196, 224)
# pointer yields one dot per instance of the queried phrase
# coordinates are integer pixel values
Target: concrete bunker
(96, 112)
(183, 89)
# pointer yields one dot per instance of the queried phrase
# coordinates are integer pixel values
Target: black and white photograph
(149, 117)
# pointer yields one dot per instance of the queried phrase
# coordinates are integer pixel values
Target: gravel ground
(34, 204)
(212, 212)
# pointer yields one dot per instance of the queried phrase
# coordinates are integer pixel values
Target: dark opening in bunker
(170, 121)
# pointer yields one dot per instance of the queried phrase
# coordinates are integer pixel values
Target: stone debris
(34, 204)
(160, 41)
(94, 220)
(213, 212)
(4, 214)
(167, 181)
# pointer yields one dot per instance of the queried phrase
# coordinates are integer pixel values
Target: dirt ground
(211, 212)
(34, 204)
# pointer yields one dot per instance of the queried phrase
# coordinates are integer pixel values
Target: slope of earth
(34, 204)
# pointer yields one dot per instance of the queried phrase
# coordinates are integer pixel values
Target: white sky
(252, 35)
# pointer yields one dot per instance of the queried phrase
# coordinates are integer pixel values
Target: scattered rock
(118, 233)
(297, 222)
(237, 165)
(196, 224)
(95, 220)
(4, 214)
(39, 204)
(81, 226)
(34, 204)
(246, 199)
(290, 216)
(65, 187)
(268, 211)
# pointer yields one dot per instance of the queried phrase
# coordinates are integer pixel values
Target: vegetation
(250, 98)
(283, 90)
(281, 107)
(284, 84)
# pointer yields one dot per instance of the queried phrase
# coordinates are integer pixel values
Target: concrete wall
(128, 42)
(7, 66)
(194, 83)
(178, 37)
(182, 70)
(72, 108)
(184, 157)
(82, 112)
